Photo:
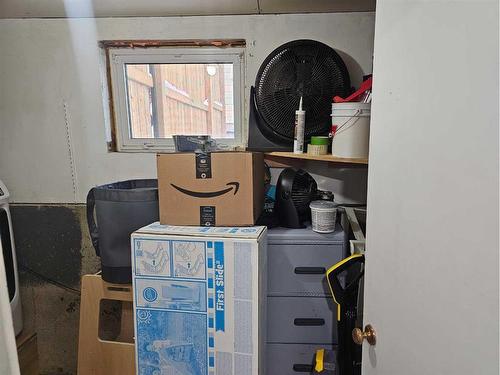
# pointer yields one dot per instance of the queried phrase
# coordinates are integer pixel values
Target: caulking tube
(300, 124)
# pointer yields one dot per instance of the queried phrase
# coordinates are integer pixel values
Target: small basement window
(158, 92)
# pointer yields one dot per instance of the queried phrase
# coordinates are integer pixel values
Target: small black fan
(294, 191)
(304, 68)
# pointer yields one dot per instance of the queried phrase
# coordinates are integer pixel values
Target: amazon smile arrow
(209, 194)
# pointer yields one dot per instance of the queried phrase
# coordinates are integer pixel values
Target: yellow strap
(320, 354)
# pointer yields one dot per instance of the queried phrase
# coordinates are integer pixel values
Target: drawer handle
(310, 270)
(309, 322)
(298, 367)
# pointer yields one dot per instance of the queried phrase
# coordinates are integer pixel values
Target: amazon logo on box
(209, 194)
(218, 188)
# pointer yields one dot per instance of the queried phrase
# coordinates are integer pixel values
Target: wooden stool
(27, 352)
(95, 355)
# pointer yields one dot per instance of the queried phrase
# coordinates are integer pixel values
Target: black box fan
(295, 189)
(304, 68)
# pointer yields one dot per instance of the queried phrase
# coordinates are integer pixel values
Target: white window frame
(119, 57)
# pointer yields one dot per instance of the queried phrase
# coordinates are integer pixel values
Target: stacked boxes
(200, 299)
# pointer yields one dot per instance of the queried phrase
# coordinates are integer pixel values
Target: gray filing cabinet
(301, 313)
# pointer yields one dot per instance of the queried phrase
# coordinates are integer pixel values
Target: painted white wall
(431, 282)
(348, 184)
(51, 91)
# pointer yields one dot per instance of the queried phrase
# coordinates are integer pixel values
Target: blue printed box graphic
(189, 259)
(171, 294)
(171, 342)
(152, 258)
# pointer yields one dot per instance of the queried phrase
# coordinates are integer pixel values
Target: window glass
(189, 99)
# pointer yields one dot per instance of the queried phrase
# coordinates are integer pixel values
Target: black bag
(120, 209)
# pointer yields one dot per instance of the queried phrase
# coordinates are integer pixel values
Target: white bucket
(353, 129)
(323, 216)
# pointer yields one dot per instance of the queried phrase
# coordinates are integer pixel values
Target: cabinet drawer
(292, 359)
(299, 270)
(309, 320)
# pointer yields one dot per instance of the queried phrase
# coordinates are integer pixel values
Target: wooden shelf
(284, 158)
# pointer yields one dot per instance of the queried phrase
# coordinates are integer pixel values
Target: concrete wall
(53, 251)
(53, 135)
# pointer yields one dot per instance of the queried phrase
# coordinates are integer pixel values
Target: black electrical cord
(49, 280)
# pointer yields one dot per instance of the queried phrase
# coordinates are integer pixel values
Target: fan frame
(262, 123)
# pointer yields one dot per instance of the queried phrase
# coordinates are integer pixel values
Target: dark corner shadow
(355, 71)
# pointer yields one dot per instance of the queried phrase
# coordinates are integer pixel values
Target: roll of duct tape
(317, 149)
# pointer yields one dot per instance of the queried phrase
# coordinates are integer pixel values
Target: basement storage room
(249, 187)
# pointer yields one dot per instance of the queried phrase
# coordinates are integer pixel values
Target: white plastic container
(352, 134)
(323, 216)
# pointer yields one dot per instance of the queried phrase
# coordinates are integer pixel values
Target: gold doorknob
(369, 334)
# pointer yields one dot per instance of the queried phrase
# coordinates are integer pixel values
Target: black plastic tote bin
(120, 209)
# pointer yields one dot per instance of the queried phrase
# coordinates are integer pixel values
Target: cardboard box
(214, 189)
(199, 300)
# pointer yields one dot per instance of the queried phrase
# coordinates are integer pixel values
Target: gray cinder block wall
(53, 251)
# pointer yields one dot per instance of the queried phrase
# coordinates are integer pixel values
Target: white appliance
(9, 255)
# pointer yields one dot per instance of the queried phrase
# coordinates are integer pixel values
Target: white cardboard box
(199, 300)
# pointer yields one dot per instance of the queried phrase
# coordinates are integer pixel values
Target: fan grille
(304, 189)
(303, 67)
